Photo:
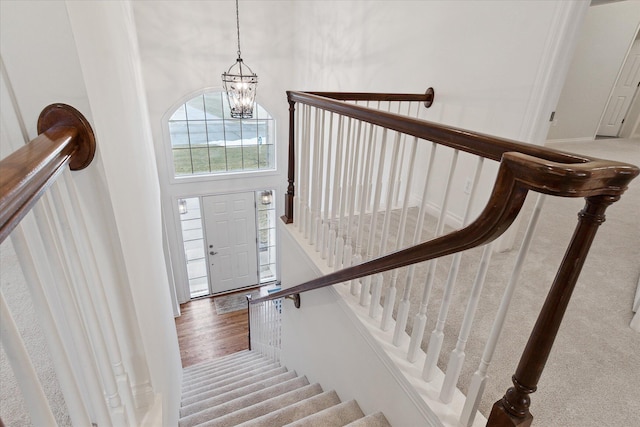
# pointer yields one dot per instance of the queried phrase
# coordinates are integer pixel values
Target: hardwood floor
(204, 335)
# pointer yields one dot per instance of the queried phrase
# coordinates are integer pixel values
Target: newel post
(288, 198)
(513, 408)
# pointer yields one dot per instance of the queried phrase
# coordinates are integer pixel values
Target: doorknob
(213, 253)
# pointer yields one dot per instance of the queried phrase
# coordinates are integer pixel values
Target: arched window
(206, 140)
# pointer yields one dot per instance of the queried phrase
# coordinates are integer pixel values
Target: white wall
(185, 47)
(494, 66)
(108, 50)
(497, 67)
(84, 54)
(607, 35)
(311, 335)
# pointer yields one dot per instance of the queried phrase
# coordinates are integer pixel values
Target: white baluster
(390, 297)
(344, 191)
(364, 197)
(25, 374)
(78, 341)
(364, 294)
(300, 213)
(315, 188)
(320, 162)
(403, 307)
(305, 182)
(376, 291)
(437, 335)
(367, 151)
(327, 192)
(479, 379)
(269, 328)
(311, 147)
(100, 297)
(457, 356)
(299, 144)
(353, 184)
(92, 321)
(420, 321)
(335, 204)
(398, 178)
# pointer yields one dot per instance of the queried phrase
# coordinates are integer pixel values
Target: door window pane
(193, 243)
(265, 202)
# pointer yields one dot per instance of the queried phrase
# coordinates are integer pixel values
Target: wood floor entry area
(203, 334)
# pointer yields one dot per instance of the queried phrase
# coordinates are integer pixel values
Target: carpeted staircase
(248, 389)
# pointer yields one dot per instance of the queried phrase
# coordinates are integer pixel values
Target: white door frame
(616, 108)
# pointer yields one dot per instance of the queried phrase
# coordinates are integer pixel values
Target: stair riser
(203, 404)
(226, 373)
(232, 386)
(248, 390)
(217, 367)
(227, 380)
(296, 411)
(243, 402)
(263, 408)
(218, 361)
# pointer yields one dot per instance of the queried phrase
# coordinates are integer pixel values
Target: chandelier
(240, 83)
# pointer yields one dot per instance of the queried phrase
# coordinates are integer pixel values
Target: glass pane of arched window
(205, 139)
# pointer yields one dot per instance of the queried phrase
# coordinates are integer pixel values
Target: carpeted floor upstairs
(247, 389)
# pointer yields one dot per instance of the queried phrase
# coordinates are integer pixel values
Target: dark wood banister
(523, 167)
(65, 138)
(518, 173)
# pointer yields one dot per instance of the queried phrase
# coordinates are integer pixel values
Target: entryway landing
(204, 334)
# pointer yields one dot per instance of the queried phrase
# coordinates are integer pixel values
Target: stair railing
(65, 138)
(265, 319)
(60, 268)
(353, 164)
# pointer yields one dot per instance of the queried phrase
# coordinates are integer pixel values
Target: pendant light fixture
(240, 83)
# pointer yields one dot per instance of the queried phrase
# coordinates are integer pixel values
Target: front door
(230, 241)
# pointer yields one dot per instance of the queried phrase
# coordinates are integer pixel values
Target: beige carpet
(593, 373)
(248, 389)
(12, 409)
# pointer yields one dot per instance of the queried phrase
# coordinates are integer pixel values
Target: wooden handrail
(427, 97)
(65, 138)
(518, 173)
(480, 144)
(523, 168)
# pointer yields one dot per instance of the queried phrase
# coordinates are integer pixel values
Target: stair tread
(243, 402)
(231, 386)
(265, 407)
(250, 390)
(217, 367)
(205, 403)
(374, 420)
(296, 411)
(217, 361)
(228, 379)
(335, 416)
(233, 371)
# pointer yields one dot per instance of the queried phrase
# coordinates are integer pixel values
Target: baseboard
(565, 140)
